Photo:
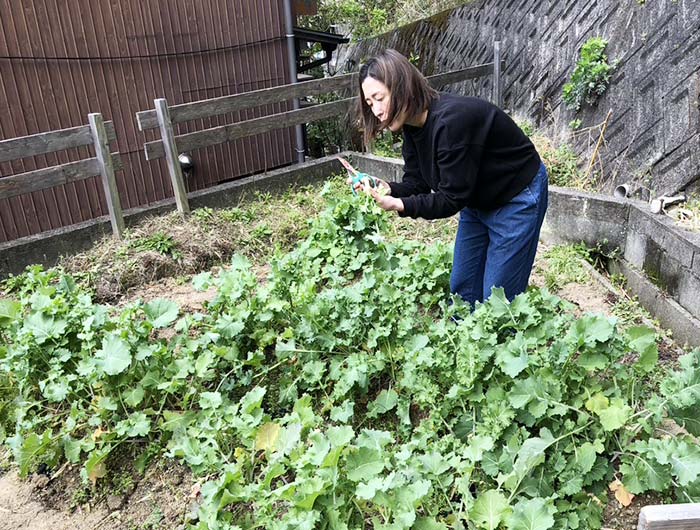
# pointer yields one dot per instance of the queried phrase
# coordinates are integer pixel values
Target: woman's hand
(379, 192)
(385, 202)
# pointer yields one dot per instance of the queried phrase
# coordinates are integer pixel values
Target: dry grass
(687, 214)
(170, 246)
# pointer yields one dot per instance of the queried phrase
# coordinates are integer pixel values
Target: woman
(461, 154)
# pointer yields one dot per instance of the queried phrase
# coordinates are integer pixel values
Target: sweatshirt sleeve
(458, 166)
(412, 183)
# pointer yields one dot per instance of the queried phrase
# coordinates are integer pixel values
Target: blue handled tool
(357, 176)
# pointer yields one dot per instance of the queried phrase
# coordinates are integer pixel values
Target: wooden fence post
(670, 517)
(171, 155)
(109, 182)
(497, 96)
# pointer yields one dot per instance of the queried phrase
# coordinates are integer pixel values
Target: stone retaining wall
(653, 135)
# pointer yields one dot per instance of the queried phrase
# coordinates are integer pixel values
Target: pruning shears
(357, 176)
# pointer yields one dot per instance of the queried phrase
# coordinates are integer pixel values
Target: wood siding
(63, 59)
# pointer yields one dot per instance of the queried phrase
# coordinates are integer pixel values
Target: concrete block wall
(653, 135)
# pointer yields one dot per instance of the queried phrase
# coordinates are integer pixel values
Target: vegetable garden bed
(340, 388)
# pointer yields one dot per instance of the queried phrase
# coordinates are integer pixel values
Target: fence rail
(171, 145)
(50, 142)
(670, 517)
(98, 134)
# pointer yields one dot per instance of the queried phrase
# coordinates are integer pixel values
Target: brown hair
(409, 90)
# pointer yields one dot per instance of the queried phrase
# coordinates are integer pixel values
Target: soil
(21, 507)
(163, 498)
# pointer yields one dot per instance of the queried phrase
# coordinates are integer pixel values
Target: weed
(687, 214)
(261, 231)
(591, 75)
(385, 145)
(80, 497)
(575, 124)
(564, 266)
(527, 128)
(203, 215)
(562, 165)
(159, 242)
(154, 520)
(630, 312)
(122, 483)
(618, 280)
(235, 214)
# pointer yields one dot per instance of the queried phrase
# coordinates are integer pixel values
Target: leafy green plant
(563, 166)
(348, 390)
(159, 242)
(385, 145)
(563, 265)
(591, 75)
(365, 18)
(527, 128)
(328, 136)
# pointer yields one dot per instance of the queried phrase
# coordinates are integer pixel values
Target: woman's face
(378, 98)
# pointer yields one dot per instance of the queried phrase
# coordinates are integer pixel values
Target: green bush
(591, 75)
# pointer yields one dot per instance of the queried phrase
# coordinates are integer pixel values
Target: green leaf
(140, 425)
(523, 391)
(320, 446)
(9, 311)
(434, 463)
(367, 490)
(615, 416)
(643, 340)
(56, 391)
(134, 396)
(95, 467)
(386, 401)
(363, 464)
(490, 509)
(161, 312)
(428, 523)
(595, 328)
(340, 436)
(115, 355)
(202, 281)
(267, 437)
(28, 451)
(597, 402)
(44, 327)
(210, 400)
(532, 514)
(512, 362)
(685, 462)
(477, 446)
(71, 448)
(343, 412)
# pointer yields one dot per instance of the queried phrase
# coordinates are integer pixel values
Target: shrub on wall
(591, 75)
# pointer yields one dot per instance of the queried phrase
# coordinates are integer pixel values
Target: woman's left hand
(385, 202)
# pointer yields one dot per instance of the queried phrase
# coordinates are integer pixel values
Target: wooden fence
(163, 117)
(98, 134)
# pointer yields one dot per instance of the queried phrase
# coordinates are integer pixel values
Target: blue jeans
(497, 248)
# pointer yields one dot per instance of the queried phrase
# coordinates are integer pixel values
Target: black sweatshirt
(469, 152)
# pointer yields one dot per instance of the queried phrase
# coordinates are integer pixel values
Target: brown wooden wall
(62, 59)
